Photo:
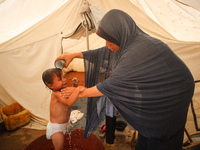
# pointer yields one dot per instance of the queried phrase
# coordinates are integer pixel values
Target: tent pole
(86, 30)
(87, 39)
(83, 11)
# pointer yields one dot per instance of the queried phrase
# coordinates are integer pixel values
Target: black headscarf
(149, 85)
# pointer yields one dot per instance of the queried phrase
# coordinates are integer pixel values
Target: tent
(31, 38)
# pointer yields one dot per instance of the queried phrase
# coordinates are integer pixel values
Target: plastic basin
(73, 141)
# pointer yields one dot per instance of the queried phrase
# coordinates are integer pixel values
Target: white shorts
(54, 128)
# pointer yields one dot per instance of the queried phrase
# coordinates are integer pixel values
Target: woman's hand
(68, 57)
(66, 92)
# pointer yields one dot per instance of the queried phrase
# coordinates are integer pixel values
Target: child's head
(53, 79)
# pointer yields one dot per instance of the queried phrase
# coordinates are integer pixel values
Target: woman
(149, 86)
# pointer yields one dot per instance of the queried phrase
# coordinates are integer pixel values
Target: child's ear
(49, 86)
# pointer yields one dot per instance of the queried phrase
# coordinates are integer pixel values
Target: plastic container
(73, 141)
(14, 116)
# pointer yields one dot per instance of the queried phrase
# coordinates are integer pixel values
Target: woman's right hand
(68, 57)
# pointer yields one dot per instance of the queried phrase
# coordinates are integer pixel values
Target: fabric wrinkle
(97, 69)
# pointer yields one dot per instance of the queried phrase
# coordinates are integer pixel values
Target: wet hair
(48, 75)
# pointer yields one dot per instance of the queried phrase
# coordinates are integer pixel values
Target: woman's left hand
(66, 92)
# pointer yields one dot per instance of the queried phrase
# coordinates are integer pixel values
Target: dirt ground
(18, 139)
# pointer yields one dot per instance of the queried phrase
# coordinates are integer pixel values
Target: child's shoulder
(55, 93)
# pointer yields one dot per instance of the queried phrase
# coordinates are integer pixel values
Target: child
(60, 108)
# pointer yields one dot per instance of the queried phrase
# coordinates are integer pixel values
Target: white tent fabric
(30, 41)
(181, 21)
(18, 16)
